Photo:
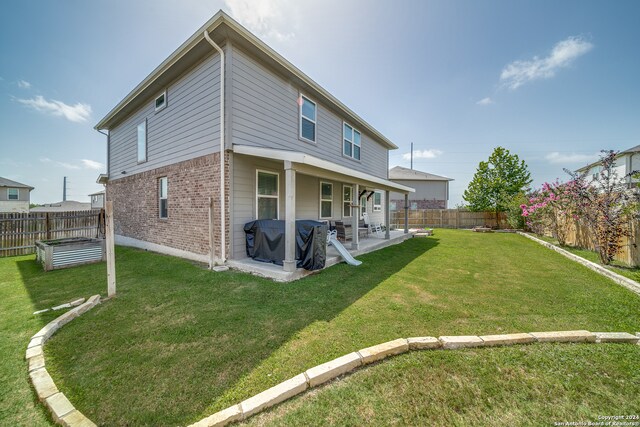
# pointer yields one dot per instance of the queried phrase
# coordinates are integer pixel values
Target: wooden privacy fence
(20, 231)
(446, 218)
(579, 236)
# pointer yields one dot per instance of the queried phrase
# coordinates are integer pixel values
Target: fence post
(47, 226)
(111, 261)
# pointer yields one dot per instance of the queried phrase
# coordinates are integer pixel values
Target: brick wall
(422, 204)
(190, 185)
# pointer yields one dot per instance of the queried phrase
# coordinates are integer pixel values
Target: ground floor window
(347, 200)
(162, 197)
(326, 200)
(267, 195)
(377, 201)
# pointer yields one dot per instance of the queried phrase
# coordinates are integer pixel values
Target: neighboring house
(290, 150)
(97, 200)
(627, 161)
(432, 191)
(67, 205)
(14, 196)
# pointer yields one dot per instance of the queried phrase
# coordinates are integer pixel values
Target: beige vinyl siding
(425, 190)
(187, 128)
(23, 194)
(265, 113)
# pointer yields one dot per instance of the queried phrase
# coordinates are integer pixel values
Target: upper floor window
(13, 194)
(142, 141)
(163, 188)
(161, 101)
(308, 112)
(267, 195)
(351, 142)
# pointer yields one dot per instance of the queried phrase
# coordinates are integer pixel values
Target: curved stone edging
(349, 362)
(62, 411)
(632, 285)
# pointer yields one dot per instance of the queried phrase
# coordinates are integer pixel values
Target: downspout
(223, 224)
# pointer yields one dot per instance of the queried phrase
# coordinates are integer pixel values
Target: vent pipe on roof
(223, 224)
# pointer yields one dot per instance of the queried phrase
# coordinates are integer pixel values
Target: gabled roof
(400, 173)
(4, 182)
(68, 205)
(222, 27)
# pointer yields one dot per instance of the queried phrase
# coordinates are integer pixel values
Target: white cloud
(562, 55)
(557, 157)
(23, 84)
(76, 113)
(485, 101)
(422, 154)
(275, 19)
(65, 165)
(92, 164)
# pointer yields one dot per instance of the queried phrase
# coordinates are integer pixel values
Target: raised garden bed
(69, 252)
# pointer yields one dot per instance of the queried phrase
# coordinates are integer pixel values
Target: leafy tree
(496, 182)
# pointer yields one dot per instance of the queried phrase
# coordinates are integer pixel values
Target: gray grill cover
(265, 242)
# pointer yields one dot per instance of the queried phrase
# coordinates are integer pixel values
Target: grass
(616, 266)
(180, 342)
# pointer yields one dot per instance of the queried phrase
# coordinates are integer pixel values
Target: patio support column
(355, 219)
(289, 263)
(406, 213)
(387, 214)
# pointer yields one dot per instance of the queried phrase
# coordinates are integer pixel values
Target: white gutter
(223, 216)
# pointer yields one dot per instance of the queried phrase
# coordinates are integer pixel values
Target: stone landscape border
(632, 285)
(62, 411)
(342, 365)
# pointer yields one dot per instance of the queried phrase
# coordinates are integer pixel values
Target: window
(13, 193)
(414, 205)
(142, 142)
(377, 201)
(162, 197)
(347, 200)
(267, 195)
(363, 204)
(351, 142)
(307, 119)
(393, 206)
(326, 200)
(161, 101)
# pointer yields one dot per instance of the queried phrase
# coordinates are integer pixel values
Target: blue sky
(555, 82)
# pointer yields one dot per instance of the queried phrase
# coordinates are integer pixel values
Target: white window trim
(377, 208)
(363, 206)
(146, 142)
(347, 201)
(302, 97)
(164, 105)
(17, 194)
(351, 141)
(325, 200)
(277, 197)
(160, 198)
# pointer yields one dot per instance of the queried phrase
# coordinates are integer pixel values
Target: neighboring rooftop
(4, 182)
(97, 193)
(69, 205)
(222, 27)
(400, 173)
(631, 150)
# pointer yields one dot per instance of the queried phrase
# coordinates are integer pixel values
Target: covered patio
(297, 166)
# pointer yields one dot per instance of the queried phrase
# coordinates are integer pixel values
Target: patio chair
(373, 228)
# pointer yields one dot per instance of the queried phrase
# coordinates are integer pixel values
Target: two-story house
(14, 196)
(432, 191)
(227, 122)
(627, 162)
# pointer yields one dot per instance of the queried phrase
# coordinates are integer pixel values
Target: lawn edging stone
(616, 337)
(320, 374)
(632, 285)
(62, 410)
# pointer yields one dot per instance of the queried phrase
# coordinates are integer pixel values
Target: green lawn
(180, 342)
(632, 273)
